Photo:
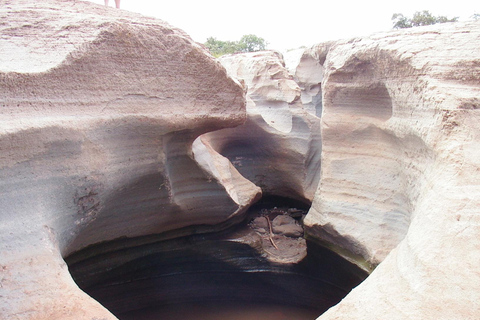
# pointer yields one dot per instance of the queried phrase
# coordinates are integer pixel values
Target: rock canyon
(137, 170)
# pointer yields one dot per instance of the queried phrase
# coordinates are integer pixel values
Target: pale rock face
(103, 121)
(278, 148)
(99, 111)
(271, 92)
(306, 67)
(400, 171)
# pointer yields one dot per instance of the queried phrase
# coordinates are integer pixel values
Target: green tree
(400, 21)
(252, 43)
(219, 48)
(423, 18)
(420, 18)
(248, 43)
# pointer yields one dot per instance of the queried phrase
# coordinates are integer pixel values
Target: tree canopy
(252, 43)
(420, 18)
(248, 43)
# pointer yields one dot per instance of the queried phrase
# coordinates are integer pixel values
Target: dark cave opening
(270, 201)
(222, 275)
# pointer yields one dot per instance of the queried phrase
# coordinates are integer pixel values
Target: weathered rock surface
(99, 111)
(400, 171)
(286, 225)
(280, 234)
(306, 67)
(278, 148)
(100, 114)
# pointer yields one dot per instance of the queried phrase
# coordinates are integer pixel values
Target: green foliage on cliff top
(420, 18)
(248, 43)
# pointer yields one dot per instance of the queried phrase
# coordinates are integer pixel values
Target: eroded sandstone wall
(400, 171)
(99, 110)
(279, 146)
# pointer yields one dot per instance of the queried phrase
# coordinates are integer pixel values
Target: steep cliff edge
(99, 111)
(400, 171)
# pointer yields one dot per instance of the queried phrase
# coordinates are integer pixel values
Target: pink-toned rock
(99, 111)
(99, 116)
(287, 226)
(278, 148)
(400, 183)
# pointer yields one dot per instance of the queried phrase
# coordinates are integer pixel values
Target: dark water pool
(210, 276)
(224, 311)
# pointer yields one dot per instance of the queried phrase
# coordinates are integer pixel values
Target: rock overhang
(97, 133)
(424, 124)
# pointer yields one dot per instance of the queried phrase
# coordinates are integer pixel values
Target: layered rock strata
(99, 111)
(279, 146)
(400, 171)
(307, 68)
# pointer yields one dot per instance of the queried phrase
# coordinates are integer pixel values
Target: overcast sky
(289, 24)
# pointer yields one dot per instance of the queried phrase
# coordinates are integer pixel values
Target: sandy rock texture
(99, 111)
(400, 179)
(307, 68)
(279, 146)
(116, 125)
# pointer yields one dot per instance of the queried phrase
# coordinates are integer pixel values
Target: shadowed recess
(215, 273)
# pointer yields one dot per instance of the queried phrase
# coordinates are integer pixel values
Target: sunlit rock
(117, 136)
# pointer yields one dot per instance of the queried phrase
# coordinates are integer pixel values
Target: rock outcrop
(306, 67)
(119, 127)
(99, 111)
(279, 146)
(400, 171)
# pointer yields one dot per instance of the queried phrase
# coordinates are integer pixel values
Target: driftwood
(270, 235)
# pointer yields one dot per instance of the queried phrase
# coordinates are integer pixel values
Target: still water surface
(210, 276)
(224, 311)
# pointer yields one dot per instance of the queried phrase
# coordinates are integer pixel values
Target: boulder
(287, 226)
(99, 111)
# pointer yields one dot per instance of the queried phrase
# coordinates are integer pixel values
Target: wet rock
(260, 222)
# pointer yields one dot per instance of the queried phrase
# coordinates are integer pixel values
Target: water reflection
(211, 276)
(224, 311)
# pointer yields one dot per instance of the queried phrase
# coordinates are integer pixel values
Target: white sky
(290, 24)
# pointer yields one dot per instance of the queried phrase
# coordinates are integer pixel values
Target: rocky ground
(281, 232)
